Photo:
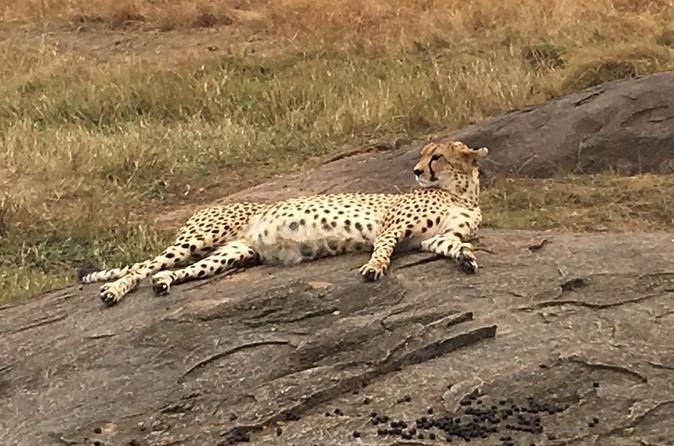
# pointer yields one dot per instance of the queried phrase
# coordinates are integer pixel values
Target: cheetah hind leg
(452, 246)
(112, 292)
(226, 257)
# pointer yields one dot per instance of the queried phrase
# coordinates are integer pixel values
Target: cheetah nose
(418, 171)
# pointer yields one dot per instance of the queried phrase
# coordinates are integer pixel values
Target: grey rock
(268, 347)
(626, 125)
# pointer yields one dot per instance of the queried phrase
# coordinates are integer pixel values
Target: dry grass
(89, 148)
(617, 63)
(382, 21)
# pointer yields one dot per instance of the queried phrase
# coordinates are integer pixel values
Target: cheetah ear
(474, 153)
(466, 150)
(481, 152)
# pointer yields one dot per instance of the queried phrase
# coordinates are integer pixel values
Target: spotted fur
(439, 217)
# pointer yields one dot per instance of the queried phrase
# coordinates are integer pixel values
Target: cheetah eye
(435, 157)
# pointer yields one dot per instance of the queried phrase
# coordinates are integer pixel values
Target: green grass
(601, 202)
(140, 129)
(143, 132)
(46, 256)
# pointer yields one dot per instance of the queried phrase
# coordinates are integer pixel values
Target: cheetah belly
(292, 240)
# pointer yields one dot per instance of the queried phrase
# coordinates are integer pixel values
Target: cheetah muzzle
(439, 217)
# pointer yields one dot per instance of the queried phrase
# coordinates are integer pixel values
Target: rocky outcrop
(560, 342)
(626, 126)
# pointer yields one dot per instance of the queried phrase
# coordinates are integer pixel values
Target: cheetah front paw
(110, 295)
(467, 263)
(371, 273)
(161, 283)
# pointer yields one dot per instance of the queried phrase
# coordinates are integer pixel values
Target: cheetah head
(448, 165)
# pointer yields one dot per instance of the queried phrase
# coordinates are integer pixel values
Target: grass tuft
(544, 56)
(666, 38)
(47, 255)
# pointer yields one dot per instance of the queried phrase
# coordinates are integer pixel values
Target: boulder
(626, 126)
(559, 339)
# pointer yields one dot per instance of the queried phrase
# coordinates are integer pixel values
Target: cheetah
(440, 217)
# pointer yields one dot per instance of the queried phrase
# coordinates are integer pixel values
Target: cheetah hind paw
(161, 284)
(370, 273)
(467, 264)
(109, 298)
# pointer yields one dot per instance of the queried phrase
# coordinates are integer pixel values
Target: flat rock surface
(571, 338)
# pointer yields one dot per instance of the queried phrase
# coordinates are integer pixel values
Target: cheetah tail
(91, 273)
